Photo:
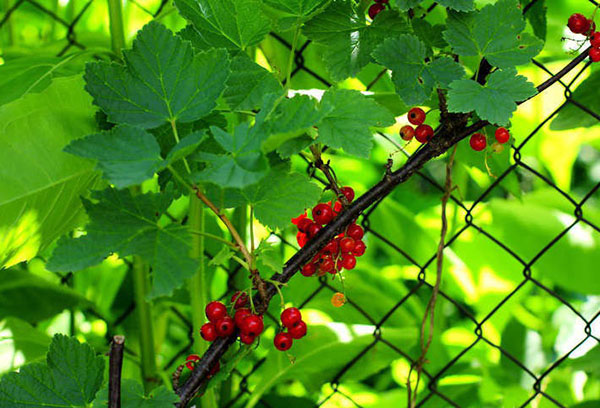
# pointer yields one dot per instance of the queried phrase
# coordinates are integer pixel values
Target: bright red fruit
(191, 360)
(327, 264)
(595, 39)
(375, 9)
(595, 54)
(239, 299)
(359, 248)
(283, 341)
(347, 244)
(304, 224)
(215, 311)
(296, 220)
(502, 135)
(348, 261)
(298, 330)
(225, 326)
(331, 247)
(290, 316)
(416, 116)
(423, 133)
(579, 24)
(337, 207)
(302, 238)
(240, 315)
(355, 232)
(348, 192)
(247, 338)
(313, 230)
(322, 214)
(208, 332)
(309, 269)
(407, 132)
(478, 142)
(253, 324)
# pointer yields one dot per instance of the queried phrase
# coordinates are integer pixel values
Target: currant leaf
(586, 94)
(133, 396)
(297, 10)
(414, 78)
(458, 5)
(162, 81)
(71, 377)
(495, 101)
(127, 225)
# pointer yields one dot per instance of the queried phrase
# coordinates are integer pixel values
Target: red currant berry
(298, 330)
(304, 224)
(407, 132)
(579, 24)
(191, 360)
(375, 9)
(347, 244)
(247, 338)
(239, 299)
(283, 341)
(348, 261)
(208, 332)
(331, 247)
(595, 39)
(302, 238)
(327, 265)
(595, 54)
(359, 248)
(309, 269)
(337, 207)
(252, 324)
(348, 192)
(215, 311)
(416, 116)
(423, 133)
(225, 326)
(322, 214)
(290, 316)
(240, 315)
(502, 135)
(313, 230)
(355, 232)
(299, 218)
(478, 142)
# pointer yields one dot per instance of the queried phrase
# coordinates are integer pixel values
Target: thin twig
(319, 164)
(115, 363)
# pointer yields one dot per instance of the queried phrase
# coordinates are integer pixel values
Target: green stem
(176, 135)
(143, 309)
(9, 26)
(117, 32)
(291, 59)
(215, 237)
(199, 286)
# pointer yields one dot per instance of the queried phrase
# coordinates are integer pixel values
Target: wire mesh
(421, 287)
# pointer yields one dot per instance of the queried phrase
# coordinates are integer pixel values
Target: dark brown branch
(115, 364)
(324, 167)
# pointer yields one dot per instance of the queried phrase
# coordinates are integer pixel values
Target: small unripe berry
(283, 341)
(208, 331)
(416, 116)
(407, 132)
(338, 299)
(423, 133)
(298, 330)
(215, 311)
(502, 135)
(290, 316)
(478, 142)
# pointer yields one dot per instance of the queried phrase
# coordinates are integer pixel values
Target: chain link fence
(433, 393)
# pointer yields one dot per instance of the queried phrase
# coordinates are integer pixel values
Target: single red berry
(375, 9)
(299, 218)
(215, 311)
(502, 135)
(349, 193)
(355, 232)
(225, 326)
(327, 264)
(191, 360)
(240, 315)
(322, 214)
(478, 142)
(359, 248)
(595, 54)
(302, 238)
(348, 261)
(309, 269)
(239, 299)
(416, 116)
(423, 133)
(337, 207)
(215, 369)
(252, 324)
(247, 338)
(347, 244)
(407, 132)
(298, 330)
(290, 316)
(304, 224)
(208, 331)
(283, 341)
(331, 247)
(313, 230)
(579, 24)
(595, 39)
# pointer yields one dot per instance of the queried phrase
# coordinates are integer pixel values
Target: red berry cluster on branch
(377, 8)
(478, 141)
(291, 318)
(580, 24)
(423, 133)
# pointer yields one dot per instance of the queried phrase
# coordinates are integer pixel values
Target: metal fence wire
(434, 393)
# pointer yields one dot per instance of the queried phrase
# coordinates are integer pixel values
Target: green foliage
(571, 116)
(133, 396)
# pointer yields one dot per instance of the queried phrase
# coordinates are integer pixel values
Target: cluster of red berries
(423, 133)
(339, 253)
(580, 24)
(377, 8)
(478, 141)
(291, 318)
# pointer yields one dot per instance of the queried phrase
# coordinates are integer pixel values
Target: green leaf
(494, 32)
(18, 336)
(230, 24)
(132, 396)
(458, 5)
(186, 146)
(126, 155)
(280, 196)
(163, 80)
(495, 101)
(430, 35)
(536, 15)
(40, 185)
(70, 378)
(347, 38)
(268, 259)
(293, 146)
(299, 9)
(586, 94)
(129, 225)
(348, 116)
(222, 257)
(242, 165)
(404, 5)
(248, 84)
(413, 77)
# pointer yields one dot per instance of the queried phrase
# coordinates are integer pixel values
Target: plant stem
(291, 59)
(117, 32)
(176, 135)
(212, 236)
(199, 286)
(115, 362)
(141, 285)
